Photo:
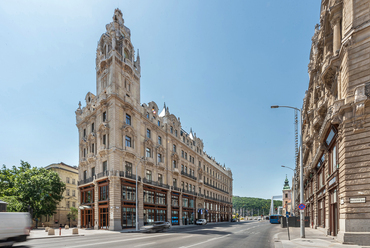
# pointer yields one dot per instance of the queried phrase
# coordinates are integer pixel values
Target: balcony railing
(210, 185)
(102, 174)
(84, 181)
(175, 188)
(129, 175)
(155, 183)
(189, 192)
(188, 175)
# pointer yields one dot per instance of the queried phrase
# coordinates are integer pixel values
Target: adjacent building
(69, 175)
(336, 123)
(120, 138)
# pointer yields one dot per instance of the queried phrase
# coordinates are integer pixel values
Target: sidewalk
(314, 238)
(41, 234)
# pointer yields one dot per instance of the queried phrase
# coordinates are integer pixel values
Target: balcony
(174, 188)
(103, 150)
(128, 174)
(188, 175)
(155, 183)
(223, 191)
(102, 174)
(85, 181)
(91, 157)
(161, 165)
(175, 170)
(189, 192)
(200, 181)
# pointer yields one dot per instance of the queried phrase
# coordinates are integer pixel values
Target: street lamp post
(302, 223)
(137, 209)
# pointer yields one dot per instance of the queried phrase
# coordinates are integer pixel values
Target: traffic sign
(301, 206)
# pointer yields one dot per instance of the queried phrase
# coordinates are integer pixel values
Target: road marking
(205, 241)
(121, 240)
(145, 244)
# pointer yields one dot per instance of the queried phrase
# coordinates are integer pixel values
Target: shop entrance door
(103, 218)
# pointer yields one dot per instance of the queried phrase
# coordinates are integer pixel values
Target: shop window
(104, 193)
(128, 193)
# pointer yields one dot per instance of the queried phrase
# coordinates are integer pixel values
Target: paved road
(241, 234)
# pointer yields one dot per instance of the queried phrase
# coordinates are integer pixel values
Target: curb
(54, 237)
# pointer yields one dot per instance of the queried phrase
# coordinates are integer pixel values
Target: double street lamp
(302, 223)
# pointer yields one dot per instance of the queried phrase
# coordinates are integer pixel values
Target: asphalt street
(240, 234)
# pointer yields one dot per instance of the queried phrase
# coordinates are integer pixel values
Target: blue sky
(218, 65)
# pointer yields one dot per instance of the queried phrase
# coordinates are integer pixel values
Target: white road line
(205, 241)
(145, 244)
(115, 241)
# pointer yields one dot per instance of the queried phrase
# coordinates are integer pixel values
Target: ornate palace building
(336, 123)
(177, 181)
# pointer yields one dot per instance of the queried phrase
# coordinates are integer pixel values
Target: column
(140, 199)
(115, 209)
(336, 34)
(96, 205)
(169, 204)
(180, 210)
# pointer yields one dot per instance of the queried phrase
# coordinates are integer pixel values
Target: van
(14, 227)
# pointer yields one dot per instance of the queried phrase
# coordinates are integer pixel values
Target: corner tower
(117, 71)
(287, 196)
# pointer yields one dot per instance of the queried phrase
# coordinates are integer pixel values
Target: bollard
(75, 231)
(46, 229)
(66, 227)
(60, 231)
(51, 231)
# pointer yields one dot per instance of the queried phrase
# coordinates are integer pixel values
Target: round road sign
(301, 206)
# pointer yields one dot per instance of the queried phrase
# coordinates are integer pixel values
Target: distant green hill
(255, 204)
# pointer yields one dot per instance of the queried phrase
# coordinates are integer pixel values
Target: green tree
(72, 214)
(35, 189)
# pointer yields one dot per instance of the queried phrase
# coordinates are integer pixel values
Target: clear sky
(218, 65)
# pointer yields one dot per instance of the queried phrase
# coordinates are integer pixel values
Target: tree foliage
(35, 188)
(255, 204)
(72, 215)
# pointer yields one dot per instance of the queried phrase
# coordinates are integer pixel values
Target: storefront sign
(357, 200)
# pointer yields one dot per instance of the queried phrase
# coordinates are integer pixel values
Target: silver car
(201, 222)
(158, 226)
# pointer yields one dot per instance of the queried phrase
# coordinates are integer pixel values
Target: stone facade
(119, 137)
(69, 175)
(336, 129)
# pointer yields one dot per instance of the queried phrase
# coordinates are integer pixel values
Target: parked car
(158, 226)
(201, 222)
(14, 227)
(259, 218)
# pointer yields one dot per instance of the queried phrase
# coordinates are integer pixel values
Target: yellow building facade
(69, 175)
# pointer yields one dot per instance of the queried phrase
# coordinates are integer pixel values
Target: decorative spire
(286, 183)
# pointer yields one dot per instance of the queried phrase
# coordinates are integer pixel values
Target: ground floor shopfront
(110, 203)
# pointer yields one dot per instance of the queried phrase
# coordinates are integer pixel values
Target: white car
(259, 219)
(201, 222)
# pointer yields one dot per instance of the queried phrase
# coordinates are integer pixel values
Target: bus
(275, 219)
